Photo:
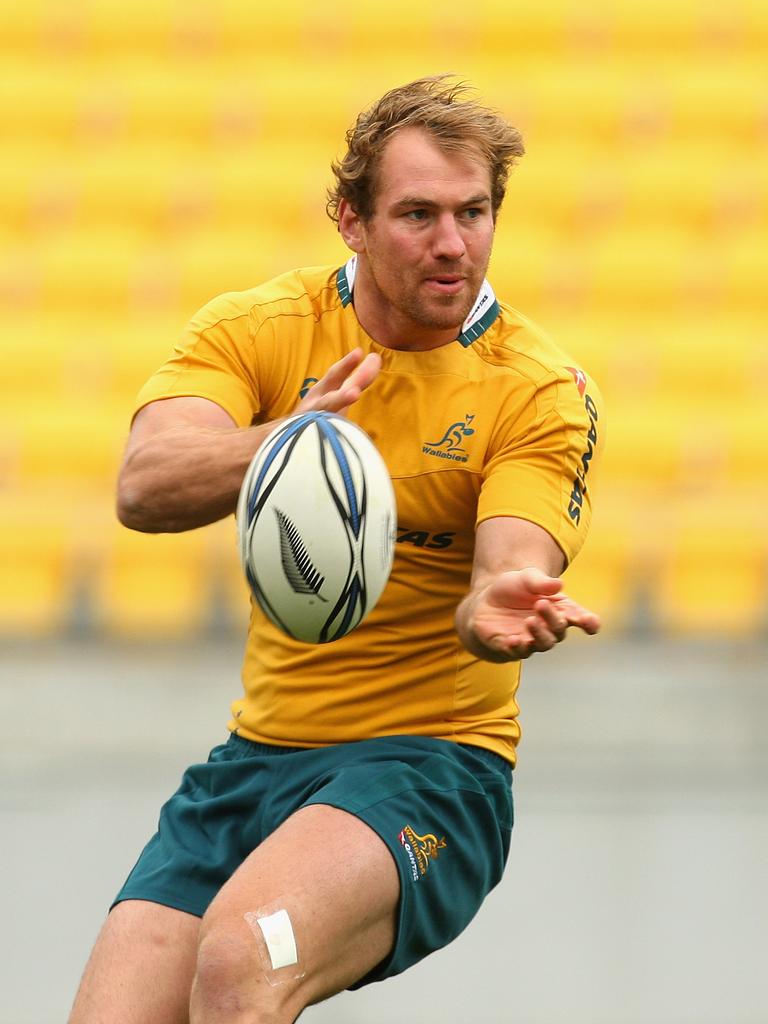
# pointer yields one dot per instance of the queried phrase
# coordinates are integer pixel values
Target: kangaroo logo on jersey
(450, 445)
(421, 850)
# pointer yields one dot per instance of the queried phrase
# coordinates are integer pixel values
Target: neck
(391, 327)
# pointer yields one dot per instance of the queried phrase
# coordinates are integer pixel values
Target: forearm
(185, 460)
(184, 477)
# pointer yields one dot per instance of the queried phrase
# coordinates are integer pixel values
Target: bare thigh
(141, 968)
(338, 883)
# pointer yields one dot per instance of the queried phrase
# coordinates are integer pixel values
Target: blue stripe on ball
(346, 474)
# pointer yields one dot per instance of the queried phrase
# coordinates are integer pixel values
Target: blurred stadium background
(158, 153)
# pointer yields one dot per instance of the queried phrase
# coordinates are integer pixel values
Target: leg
(141, 968)
(339, 884)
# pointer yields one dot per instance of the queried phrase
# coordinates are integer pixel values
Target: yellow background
(155, 154)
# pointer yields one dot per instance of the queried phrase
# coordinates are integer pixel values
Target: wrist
(464, 621)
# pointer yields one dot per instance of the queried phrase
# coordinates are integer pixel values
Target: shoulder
(540, 374)
(307, 292)
(517, 345)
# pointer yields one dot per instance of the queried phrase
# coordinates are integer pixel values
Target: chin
(447, 316)
(446, 324)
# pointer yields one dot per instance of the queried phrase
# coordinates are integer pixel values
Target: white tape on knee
(281, 942)
(276, 941)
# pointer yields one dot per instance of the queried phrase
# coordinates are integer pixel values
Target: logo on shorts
(421, 850)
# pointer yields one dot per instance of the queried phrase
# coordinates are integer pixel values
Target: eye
(416, 215)
(473, 212)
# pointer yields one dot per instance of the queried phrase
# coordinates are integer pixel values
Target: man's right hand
(342, 384)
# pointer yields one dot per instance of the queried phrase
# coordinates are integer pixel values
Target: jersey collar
(482, 315)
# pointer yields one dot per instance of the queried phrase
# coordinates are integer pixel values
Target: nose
(447, 242)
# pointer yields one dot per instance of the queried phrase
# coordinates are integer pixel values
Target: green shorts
(444, 811)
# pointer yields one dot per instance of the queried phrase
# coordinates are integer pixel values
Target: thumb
(536, 581)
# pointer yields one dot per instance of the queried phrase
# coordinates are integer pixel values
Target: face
(424, 252)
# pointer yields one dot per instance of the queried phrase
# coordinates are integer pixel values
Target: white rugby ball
(316, 522)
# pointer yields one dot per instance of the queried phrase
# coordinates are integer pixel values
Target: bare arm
(185, 458)
(516, 605)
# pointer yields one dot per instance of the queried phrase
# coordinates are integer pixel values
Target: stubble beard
(441, 312)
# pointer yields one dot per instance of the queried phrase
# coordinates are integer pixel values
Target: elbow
(129, 515)
(133, 507)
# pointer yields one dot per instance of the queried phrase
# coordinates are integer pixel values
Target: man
(361, 810)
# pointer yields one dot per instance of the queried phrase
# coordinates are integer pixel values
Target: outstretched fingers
(545, 625)
(575, 614)
(343, 383)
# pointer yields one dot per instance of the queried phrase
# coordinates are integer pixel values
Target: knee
(229, 984)
(224, 964)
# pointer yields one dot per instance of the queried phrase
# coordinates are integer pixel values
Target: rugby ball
(316, 521)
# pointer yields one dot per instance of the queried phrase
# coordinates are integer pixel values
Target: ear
(351, 227)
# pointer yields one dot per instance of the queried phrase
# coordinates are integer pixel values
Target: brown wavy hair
(440, 106)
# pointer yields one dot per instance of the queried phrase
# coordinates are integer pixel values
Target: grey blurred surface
(636, 887)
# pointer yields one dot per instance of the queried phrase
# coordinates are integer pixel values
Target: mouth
(445, 284)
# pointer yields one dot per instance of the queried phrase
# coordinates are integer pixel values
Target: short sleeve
(213, 359)
(542, 461)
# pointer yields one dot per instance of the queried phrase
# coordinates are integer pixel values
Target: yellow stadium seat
(711, 361)
(93, 271)
(277, 191)
(129, 187)
(619, 271)
(50, 107)
(603, 577)
(540, 197)
(167, 194)
(231, 596)
(37, 193)
(713, 582)
(651, 269)
(35, 356)
(745, 273)
(727, 93)
(744, 424)
(690, 445)
(71, 361)
(533, 271)
(655, 26)
(669, 185)
(22, 23)
(291, 29)
(592, 116)
(73, 445)
(141, 28)
(540, 29)
(176, 29)
(36, 572)
(153, 585)
(676, 183)
(740, 192)
(20, 277)
(644, 445)
(161, 102)
(137, 347)
(665, 360)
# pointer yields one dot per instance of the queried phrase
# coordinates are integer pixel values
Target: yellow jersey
(498, 423)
